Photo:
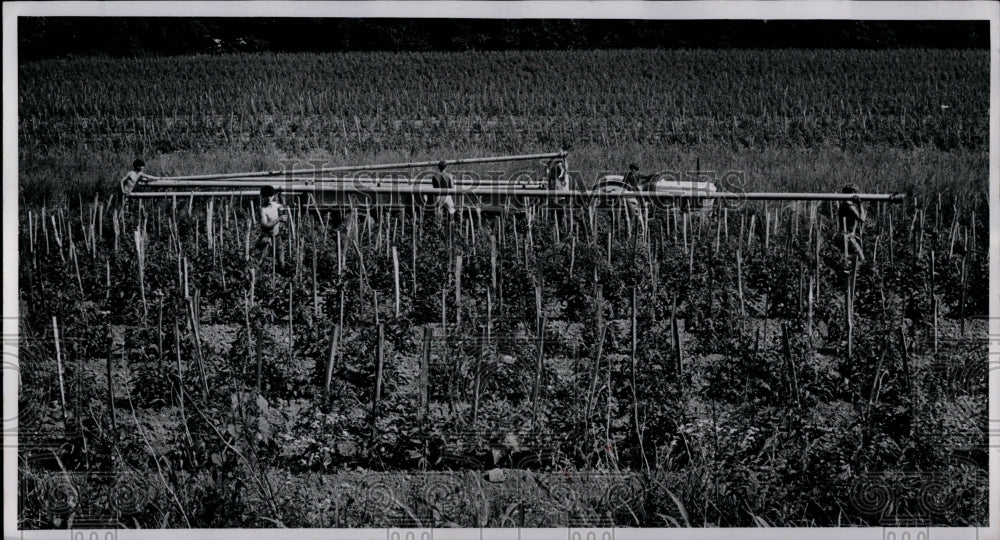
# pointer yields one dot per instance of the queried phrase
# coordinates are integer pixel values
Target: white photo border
(628, 9)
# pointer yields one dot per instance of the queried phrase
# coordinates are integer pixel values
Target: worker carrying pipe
(135, 176)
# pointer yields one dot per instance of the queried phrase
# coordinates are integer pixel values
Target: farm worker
(851, 215)
(633, 179)
(443, 180)
(634, 182)
(271, 219)
(135, 176)
(558, 179)
(556, 173)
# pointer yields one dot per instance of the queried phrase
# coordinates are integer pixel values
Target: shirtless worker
(134, 177)
(271, 218)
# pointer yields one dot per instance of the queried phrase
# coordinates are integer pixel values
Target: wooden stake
(684, 223)
(609, 248)
(718, 237)
(816, 259)
(538, 306)
(599, 306)
(140, 247)
(45, 230)
(331, 360)
(934, 301)
(973, 239)
(593, 380)
(477, 374)
(964, 281)
(250, 345)
(635, 394)
(493, 260)
(905, 356)
(159, 334)
(739, 282)
(691, 258)
(180, 379)
(538, 373)
(59, 368)
(314, 281)
(79, 281)
(395, 274)
(193, 314)
(793, 371)
(444, 309)
(849, 307)
(57, 235)
(111, 391)
(260, 357)
(676, 336)
(378, 378)
(425, 359)
(458, 289)
(413, 258)
(767, 228)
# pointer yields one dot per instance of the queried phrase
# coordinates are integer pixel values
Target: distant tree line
(54, 37)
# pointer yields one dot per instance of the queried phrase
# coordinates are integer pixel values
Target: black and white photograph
(575, 270)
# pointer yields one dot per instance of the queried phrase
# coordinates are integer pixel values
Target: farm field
(536, 369)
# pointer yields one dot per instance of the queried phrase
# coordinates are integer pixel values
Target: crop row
(591, 390)
(751, 98)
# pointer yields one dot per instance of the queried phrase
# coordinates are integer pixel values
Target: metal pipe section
(549, 193)
(353, 182)
(168, 194)
(764, 196)
(347, 168)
